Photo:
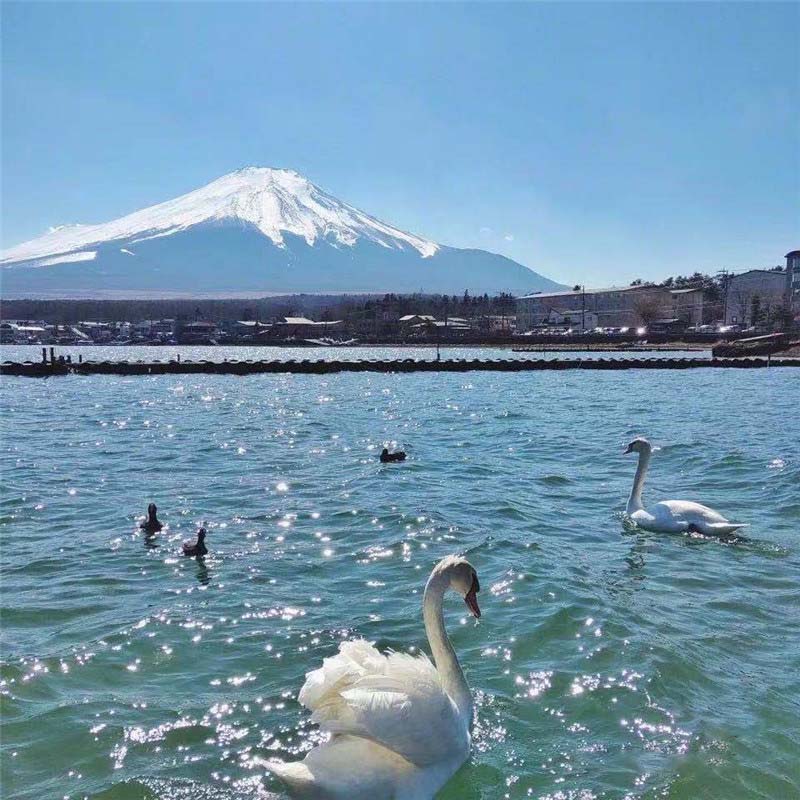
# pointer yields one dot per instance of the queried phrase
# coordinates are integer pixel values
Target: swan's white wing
(688, 511)
(419, 723)
(396, 700)
(684, 515)
(659, 520)
(354, 660)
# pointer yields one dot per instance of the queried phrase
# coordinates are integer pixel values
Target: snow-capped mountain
(256, 229)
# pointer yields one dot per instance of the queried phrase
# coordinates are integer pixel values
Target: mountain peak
(275, 201)
(256, 169)
(264, 176)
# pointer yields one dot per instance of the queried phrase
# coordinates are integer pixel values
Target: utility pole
(583, 309)
(723, 276)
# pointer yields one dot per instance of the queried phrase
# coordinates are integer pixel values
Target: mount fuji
(253, 230)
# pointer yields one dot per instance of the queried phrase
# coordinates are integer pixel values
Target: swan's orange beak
(471, 599)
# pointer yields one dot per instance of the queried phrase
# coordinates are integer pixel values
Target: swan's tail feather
(297, 777)
(721, 528)
(344, 767)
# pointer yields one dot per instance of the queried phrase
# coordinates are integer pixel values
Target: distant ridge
(254, 230)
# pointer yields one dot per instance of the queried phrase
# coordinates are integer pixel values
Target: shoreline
(513, 345)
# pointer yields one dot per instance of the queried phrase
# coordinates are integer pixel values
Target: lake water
(221, 353)
(608, 663)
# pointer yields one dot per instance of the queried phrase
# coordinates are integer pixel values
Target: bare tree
(739, 301)
(648, 307)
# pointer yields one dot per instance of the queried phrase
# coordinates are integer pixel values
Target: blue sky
(595, 143)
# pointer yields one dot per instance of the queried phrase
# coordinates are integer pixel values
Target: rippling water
(608, 663)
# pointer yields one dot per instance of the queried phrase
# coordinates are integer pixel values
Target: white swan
(671, 516)
(399, 725)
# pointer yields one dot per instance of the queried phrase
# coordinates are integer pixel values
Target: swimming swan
(399, 724)
(671, 516)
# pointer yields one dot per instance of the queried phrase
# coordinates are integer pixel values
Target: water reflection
(203, 573)
(150, 541)
(635, 557)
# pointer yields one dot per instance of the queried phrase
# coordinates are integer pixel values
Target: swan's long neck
(635, 500)
(444, 656)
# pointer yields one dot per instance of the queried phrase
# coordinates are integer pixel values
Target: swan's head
(460, 576)
(639, 445)
(151, 510)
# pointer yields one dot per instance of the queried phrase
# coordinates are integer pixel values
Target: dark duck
(197, 548)
(151, 524)
(387, 457)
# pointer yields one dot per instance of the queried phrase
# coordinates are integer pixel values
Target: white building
(504, 324)
(574, 319)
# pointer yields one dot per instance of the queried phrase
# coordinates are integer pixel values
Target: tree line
(264, 309)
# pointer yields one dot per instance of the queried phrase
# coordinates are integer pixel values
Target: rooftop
(442, 324)
(779, 273)
(579, 292)
(305, 321)
(297, 321)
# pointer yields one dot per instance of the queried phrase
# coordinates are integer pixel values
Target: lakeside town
(698, 308)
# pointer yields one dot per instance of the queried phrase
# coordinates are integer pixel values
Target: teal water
(608, 663)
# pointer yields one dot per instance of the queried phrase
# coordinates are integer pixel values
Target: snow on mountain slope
(275, 201)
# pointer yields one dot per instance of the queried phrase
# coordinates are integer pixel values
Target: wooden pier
(65, 366)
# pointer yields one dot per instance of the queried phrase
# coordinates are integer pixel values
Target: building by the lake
(617, 307)
(793, 286)
(757, 296)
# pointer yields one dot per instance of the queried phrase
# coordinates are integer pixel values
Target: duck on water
(196, 549)
(151, 524)
(388, 458)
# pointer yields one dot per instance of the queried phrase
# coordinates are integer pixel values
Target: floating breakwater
(307, 367)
